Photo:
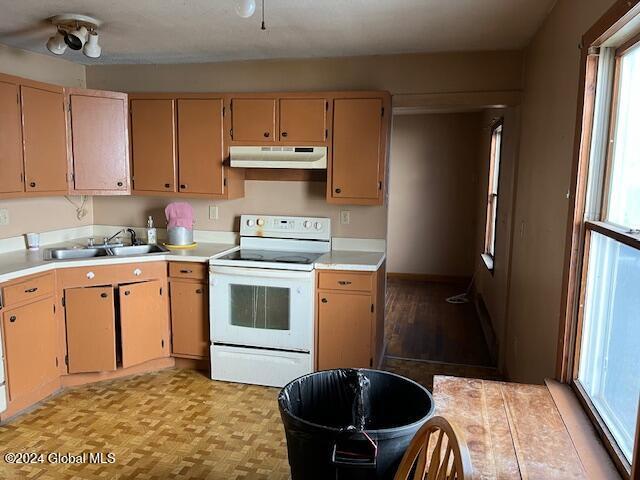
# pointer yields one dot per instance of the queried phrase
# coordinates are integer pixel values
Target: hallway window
(492, 198)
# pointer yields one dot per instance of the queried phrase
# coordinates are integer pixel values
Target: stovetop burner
(276, 256)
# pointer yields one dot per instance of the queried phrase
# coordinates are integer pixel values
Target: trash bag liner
(351, 423)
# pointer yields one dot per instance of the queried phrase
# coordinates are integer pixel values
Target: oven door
(253, 307)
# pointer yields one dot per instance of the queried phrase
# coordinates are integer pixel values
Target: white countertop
(24, 262)
(350, 260)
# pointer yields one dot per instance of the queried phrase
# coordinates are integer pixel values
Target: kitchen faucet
(130, 231)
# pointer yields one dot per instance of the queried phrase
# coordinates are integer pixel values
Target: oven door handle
(261, 273)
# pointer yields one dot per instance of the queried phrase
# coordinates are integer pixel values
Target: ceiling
(179, 31)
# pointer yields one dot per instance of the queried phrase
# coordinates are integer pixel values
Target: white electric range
(262, 306)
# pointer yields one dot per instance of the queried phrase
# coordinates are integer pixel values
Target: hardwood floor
(421, 325)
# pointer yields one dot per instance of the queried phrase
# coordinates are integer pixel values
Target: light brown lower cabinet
(91, 333)
(189, 319)
(143, 322)
(344, 330)
(31, 343)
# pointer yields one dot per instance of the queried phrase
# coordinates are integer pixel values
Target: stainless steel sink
(137, 250)
(74, 253)
(102, 251)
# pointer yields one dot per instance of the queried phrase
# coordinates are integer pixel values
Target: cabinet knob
(32, 184)
(266, 134)
(104, 295)
(338, 190)
(284, 134)
(90, 275)
(167, 185)
(12, 318)
(137, 272)
(183, 186)
(199, 290)
(127, 292)
(324, 300)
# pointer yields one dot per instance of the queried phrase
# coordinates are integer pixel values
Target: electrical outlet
(345, 217)
(4, 216)
(213, 212)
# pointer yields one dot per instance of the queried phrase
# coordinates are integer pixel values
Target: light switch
(213, 212)
(4, 216)
(345, 217)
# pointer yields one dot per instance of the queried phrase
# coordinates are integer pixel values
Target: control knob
(260, 222)
(307, 224)
(250, 223)
(318, 226)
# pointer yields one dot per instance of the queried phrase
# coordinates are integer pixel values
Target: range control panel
(308, 228)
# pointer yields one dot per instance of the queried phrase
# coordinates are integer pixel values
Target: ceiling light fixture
(245, 8)
(78, 32)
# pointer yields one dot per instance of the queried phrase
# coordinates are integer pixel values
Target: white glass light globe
(245, 8)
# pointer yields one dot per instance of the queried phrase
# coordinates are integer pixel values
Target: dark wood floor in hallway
(421, 325)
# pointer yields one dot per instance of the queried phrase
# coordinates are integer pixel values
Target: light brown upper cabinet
(153, 145)
(98, 143)
(31, 342)
(200, 150)
(360, 129)
(303, 120)
(144, 322)
(253, 120)
(11, 178)
(90, 322)
(44, 139)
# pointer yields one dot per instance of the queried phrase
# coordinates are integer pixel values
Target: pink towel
(179, 214)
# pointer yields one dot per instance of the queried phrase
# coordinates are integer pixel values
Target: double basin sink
(103, 251)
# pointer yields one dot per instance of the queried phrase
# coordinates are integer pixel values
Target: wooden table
(512, 430)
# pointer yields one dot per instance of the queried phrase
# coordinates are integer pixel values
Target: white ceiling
(176, 31)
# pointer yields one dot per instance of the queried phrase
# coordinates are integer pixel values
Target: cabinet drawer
(32, 288)
(111, 274)
(345, 281)
(197, 271)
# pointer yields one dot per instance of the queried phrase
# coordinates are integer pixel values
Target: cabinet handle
(104, 295)
(32, 184)
(120, 184)
(338, 190)
(266, 134)
(12, 318)
(324, 300)
(199, 290)
(167, 185)
(284, 134)
(31, 290)
(344, 282)
(127, 292)
(186, 271)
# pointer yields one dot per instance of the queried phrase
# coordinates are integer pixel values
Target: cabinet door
(200, 146)
(189, 319)
(143, 322)
(357, 151)
(303, 120)
(44, 140)
(253, 120)
(10, 140)
(344, 330)
(31, 347)
(153, 145)
(91, 334)
(99, 142)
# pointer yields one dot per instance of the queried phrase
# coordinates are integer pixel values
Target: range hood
(279, 157)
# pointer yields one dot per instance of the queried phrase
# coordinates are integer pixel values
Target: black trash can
(351, 424)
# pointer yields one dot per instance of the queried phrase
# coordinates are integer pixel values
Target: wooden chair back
(437, 452)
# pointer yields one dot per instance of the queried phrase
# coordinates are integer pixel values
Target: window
(605, 347)
(492, 198)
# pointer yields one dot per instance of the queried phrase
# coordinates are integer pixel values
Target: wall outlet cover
(4, 216)
(345, 217)
(213, 212)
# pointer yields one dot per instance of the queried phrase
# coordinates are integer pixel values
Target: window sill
(488, 261)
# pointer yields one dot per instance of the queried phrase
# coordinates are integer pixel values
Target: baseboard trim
(487, 328)
(425, 277)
